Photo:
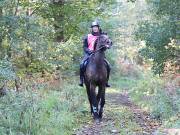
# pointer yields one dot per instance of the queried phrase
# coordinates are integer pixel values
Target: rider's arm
(85, 46)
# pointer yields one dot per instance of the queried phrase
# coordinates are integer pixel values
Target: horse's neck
(99, 58)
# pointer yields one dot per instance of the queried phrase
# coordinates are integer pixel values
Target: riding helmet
(95, 23)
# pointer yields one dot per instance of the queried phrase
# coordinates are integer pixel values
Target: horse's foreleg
(102, 96)
(88, 94)
(94, 101)
(98, 97)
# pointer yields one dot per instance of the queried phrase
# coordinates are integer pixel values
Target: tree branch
(34, 11)
(16, 10)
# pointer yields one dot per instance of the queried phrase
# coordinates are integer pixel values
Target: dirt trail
(108, 126)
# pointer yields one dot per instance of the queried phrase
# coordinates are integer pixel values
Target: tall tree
(69, 17)
(161, 34)
(0, 34)
(58, 19)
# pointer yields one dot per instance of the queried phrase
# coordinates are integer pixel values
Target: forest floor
(123, 117)
(138, 120)
(122, 114)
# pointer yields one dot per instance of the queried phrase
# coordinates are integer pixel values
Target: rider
(88, 46)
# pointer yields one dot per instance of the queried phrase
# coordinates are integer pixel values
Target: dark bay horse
(96, 76)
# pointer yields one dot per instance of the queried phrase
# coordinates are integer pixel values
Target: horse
(96, 76)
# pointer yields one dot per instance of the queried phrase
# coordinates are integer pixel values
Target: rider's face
(95, 29)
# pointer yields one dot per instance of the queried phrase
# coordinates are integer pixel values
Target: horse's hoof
(96, 116)
(97, 121)
(100, 120)
(100, 115)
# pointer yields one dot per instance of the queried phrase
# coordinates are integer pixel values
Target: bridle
(98, 48)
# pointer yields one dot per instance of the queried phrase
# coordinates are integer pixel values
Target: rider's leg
(108, 71)
(82, 69)
(81, 74)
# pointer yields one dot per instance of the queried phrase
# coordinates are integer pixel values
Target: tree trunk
(58, 18)
(0, 36)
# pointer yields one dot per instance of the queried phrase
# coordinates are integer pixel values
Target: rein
(99, 49)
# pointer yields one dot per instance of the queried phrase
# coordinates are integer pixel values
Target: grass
(63, 108)
(43, 111)
(123, 120)
(151, 94)
(122, 82)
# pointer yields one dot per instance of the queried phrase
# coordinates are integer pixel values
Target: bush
(41, 112)
(128, 69)
(151, 94)
(6, 71)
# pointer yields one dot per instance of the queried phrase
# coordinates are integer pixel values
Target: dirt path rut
(110, 125)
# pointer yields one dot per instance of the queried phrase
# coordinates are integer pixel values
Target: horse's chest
(97, 73)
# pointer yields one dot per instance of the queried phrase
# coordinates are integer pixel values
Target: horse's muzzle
(108, 46)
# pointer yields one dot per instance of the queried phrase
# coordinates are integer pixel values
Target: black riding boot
(81, 76)
(107, 84)
(108, 72)
(81, 81)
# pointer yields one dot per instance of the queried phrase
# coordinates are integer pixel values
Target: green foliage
(165, 8)
(148, 85)
(159, 32)
(157, 36)
(151, 94)
(166, 107)
(29, 31)
(42, 112)
(6, 70)
(71, 17)
(66, 55)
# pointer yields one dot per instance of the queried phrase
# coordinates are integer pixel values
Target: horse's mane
(101, 35)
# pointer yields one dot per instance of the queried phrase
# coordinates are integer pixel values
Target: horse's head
(103, 42)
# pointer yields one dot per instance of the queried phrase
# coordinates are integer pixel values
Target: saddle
(85, 64)
(87, 61)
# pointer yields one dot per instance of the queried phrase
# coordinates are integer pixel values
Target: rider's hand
(90, 52)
